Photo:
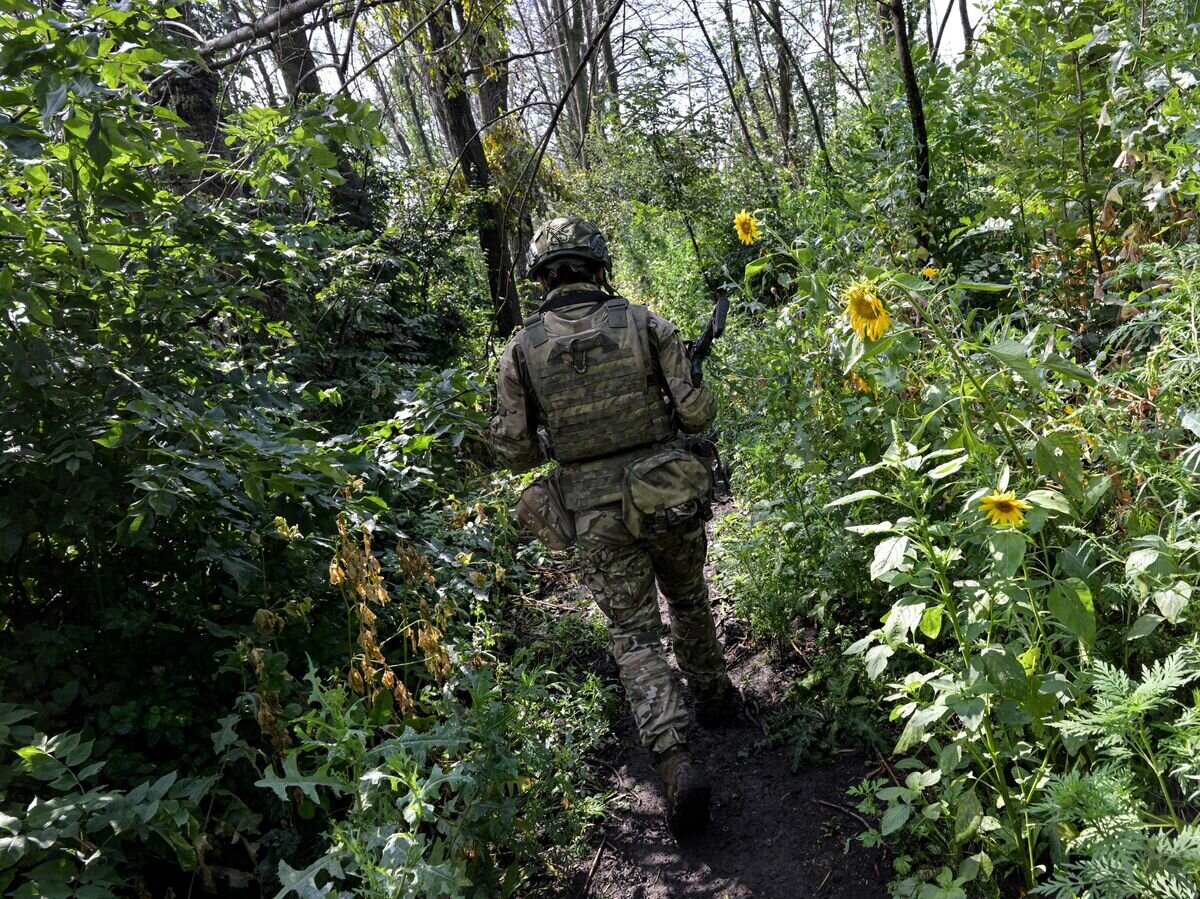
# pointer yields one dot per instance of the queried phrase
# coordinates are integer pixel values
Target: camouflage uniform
(620, 570)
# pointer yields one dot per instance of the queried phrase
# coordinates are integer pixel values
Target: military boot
(718, 705)
(687, 789)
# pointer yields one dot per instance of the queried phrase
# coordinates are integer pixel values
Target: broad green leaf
(1003, 669)
(98, 145)
(889, 555)
(893, 819)
(1029, 660)
(112, 437)
(1077, 43)
(1051, 500)
(1095, 491)
(104, 258)
(1069, 370)
(876, 659)
(1070, 601)
(971, 712)
(913, 283)
(866, 470)
(1144, 626)
(903, 618)
(860, 350)
(981, 286)
(1016, 357)
(931, 622)
(947, 468)
(1141, 560)
(1057, 456)
(1173, 601)
(854, 497)
(757, 266)
(880, 527)
(968, 813)
(1007, 551)
(913, 734)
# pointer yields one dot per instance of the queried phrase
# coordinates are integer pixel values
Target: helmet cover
(567, 237)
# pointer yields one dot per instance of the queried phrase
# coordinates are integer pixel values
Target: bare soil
(775, 834)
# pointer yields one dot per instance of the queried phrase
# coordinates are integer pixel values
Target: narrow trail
(775, 834)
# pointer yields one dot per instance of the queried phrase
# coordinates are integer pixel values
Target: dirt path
(772, 836)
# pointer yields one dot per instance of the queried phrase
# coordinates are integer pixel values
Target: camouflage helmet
(567, 237)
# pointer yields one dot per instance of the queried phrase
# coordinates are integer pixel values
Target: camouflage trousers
(621, 573)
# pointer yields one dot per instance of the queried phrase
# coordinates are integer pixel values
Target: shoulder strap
(534, 329)
(617, 307)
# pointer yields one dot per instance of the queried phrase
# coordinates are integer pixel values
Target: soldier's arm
(695, 405)
(514, 426)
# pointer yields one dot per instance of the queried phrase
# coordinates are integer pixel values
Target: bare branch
(260, 27)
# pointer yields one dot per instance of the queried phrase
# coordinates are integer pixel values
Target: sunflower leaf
(1070, 601)
(854, 497)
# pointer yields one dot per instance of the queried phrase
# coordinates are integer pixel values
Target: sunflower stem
(948, 344)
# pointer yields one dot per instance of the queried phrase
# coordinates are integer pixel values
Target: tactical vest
(594, 382)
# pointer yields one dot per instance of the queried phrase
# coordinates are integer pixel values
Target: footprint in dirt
(775, 834)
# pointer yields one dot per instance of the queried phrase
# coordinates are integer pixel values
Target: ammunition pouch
(665, 490)
(542, 511)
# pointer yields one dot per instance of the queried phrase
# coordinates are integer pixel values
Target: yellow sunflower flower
(929, 271)
(859, 383)
(865, 310)
(1004, 509)
(746, 227)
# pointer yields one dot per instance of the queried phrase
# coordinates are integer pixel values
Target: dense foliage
(255, 562)
(260, 626)
(1037, 357)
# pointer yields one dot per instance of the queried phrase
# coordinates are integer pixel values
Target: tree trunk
(453, 104)
(415, 111)
(295, 58)
(784, 119)
(487, 52)
(794, 64)
(739, 71)
(916, 111)
(968, 32)
(610, 67)
(768, 90)
(693, 6)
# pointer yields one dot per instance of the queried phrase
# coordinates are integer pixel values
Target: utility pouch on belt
(542, 511)
(664, 490)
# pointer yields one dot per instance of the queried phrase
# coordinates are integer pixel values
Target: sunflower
(746, 227)
(1004, 509)
(867, 316)
(859, 383)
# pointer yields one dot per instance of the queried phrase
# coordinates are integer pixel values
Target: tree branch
(260, 27)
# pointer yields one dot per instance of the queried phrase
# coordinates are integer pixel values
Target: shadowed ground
(771, 836)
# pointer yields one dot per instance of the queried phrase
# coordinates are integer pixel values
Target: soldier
(605, 388)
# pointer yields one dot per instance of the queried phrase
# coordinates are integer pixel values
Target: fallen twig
(617, 776)
(587, 884)
(887, 767)
(841, 808)
(800, 653)
(543, 604)
(828, 874)
(757, 722)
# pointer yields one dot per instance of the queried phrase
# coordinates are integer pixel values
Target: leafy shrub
(68, 833)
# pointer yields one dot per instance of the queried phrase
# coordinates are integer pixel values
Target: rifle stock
(702, 345)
